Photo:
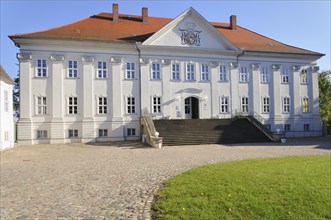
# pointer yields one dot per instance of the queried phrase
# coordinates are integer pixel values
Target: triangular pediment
(190, 29)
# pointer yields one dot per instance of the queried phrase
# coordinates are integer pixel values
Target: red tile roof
(101, 27)
(5, 77)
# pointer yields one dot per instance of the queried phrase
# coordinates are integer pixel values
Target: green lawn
(278, 188)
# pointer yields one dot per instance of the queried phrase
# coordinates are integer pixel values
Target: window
(244, 104)
(103, 132)
(265, 105)
(204, 72)
(102, 105)
(72, 133)
(41, 68)
(243, 75)
(156, 74)
(304, 77)
(131, 105)
(286, 105)
(156, 104)
(223, 73)
(6, 101)
(306, 127)
(72, 69)
(285, 75)
(131, 132)
(287, 127)
(41, 134)
(72, 105)
(190, 72)
(224, 105)
(130, 74)
(305, 105)
(102, 70)
(265, 75)
(41, 105)
(6, 136)
(175, 72)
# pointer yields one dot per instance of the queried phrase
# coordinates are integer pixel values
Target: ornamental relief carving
(166, 61)
(24, 56)
(87, 59)
(276, 67)
(117, 60)
(315, 68)
(295, 68)
(234, 65)
(214, 64)
(190, 34)
(255, 66)
(144, 61)
(57, 58)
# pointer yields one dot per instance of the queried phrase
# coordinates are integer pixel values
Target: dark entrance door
(195, 108)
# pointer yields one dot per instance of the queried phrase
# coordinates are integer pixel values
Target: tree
(16, 96)
(324, 84)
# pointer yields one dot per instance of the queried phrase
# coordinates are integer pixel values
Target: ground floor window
(156, 104)
(266, 105)
(72, 133)
(103, 132)
(224, 104)
(244, 104)
(131, 132)
(41, 134)
(287, 127)
(306, 127)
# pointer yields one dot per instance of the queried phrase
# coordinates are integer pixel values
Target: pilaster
(117, 97)
(145, 78)
(296, 91)
(275, 83)
(255, 97)
(234, 87)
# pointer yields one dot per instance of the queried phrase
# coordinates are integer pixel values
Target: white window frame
(130, 70)
(73, 107)
(204, 72)
(265, 104)
(304, 76)
(224, 104)
(223, 73)
(156, 104)
(305, 105)
(102, 132)
(156, 71)
(190, 72)
(265, 75)
(41, 105)
(285, 76)
(41, 134)
(102, 70)
(131, 105)
(130, 132)
(6, 101)
(41, 68)
(72, 69)
(244, 105)
(72, 133)
(244, 74)
(102, 105)
(175, 71)
(286, 104)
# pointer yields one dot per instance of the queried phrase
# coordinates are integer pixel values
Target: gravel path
(77, 181)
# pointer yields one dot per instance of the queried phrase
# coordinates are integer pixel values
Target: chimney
(115, 12)
(233, 22)
(145, 15)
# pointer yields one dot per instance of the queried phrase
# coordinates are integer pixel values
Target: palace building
(92, 79)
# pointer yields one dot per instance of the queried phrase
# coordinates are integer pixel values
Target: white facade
(96, 91)
(7, 135)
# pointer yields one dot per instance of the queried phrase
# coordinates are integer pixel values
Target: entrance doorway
(191, 108)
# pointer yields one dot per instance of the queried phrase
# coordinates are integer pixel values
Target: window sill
(126, 79)
(175, 80)
(190, 80)
(40, 77)
(205, 81)
(223, 81)
(97, 78)
(155, 80)
(72, 78)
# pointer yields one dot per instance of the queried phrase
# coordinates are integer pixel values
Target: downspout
(139, 73)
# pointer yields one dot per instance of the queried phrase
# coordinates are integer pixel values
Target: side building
(7, 134)
(91, 80)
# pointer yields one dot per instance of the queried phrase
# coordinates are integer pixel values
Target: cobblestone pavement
(78, 181)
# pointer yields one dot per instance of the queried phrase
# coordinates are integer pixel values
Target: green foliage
(278, 188)
(324, 84)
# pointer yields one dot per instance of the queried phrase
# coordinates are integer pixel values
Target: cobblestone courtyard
(78, 181)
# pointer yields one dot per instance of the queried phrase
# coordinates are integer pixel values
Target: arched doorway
(191, 108)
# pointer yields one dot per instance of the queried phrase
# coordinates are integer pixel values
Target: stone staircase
(209, 131)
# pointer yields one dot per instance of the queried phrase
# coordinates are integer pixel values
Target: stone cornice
(276, 67)
(57, 58)
(24, 56)
(87, 59)
(117, 60)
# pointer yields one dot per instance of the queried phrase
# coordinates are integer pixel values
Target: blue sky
(304, 24)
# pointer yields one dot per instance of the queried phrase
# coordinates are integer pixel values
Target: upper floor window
(204, 72)
(131, 105)
(6, 101)
(72, 69)
(285, 75)
(223, 73)
(102, 105)
(190, 75)
(156, 71)
(175, 72)
(305, 105)
(224, 104)
(265, 105)
(156, 104)
(286, 105)
(102, 70)
(265, 75)
(41, 68)
(130, 71)
(243, 75)
(72, 105)
(304, 77)
(244, 105)
(41, 105)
